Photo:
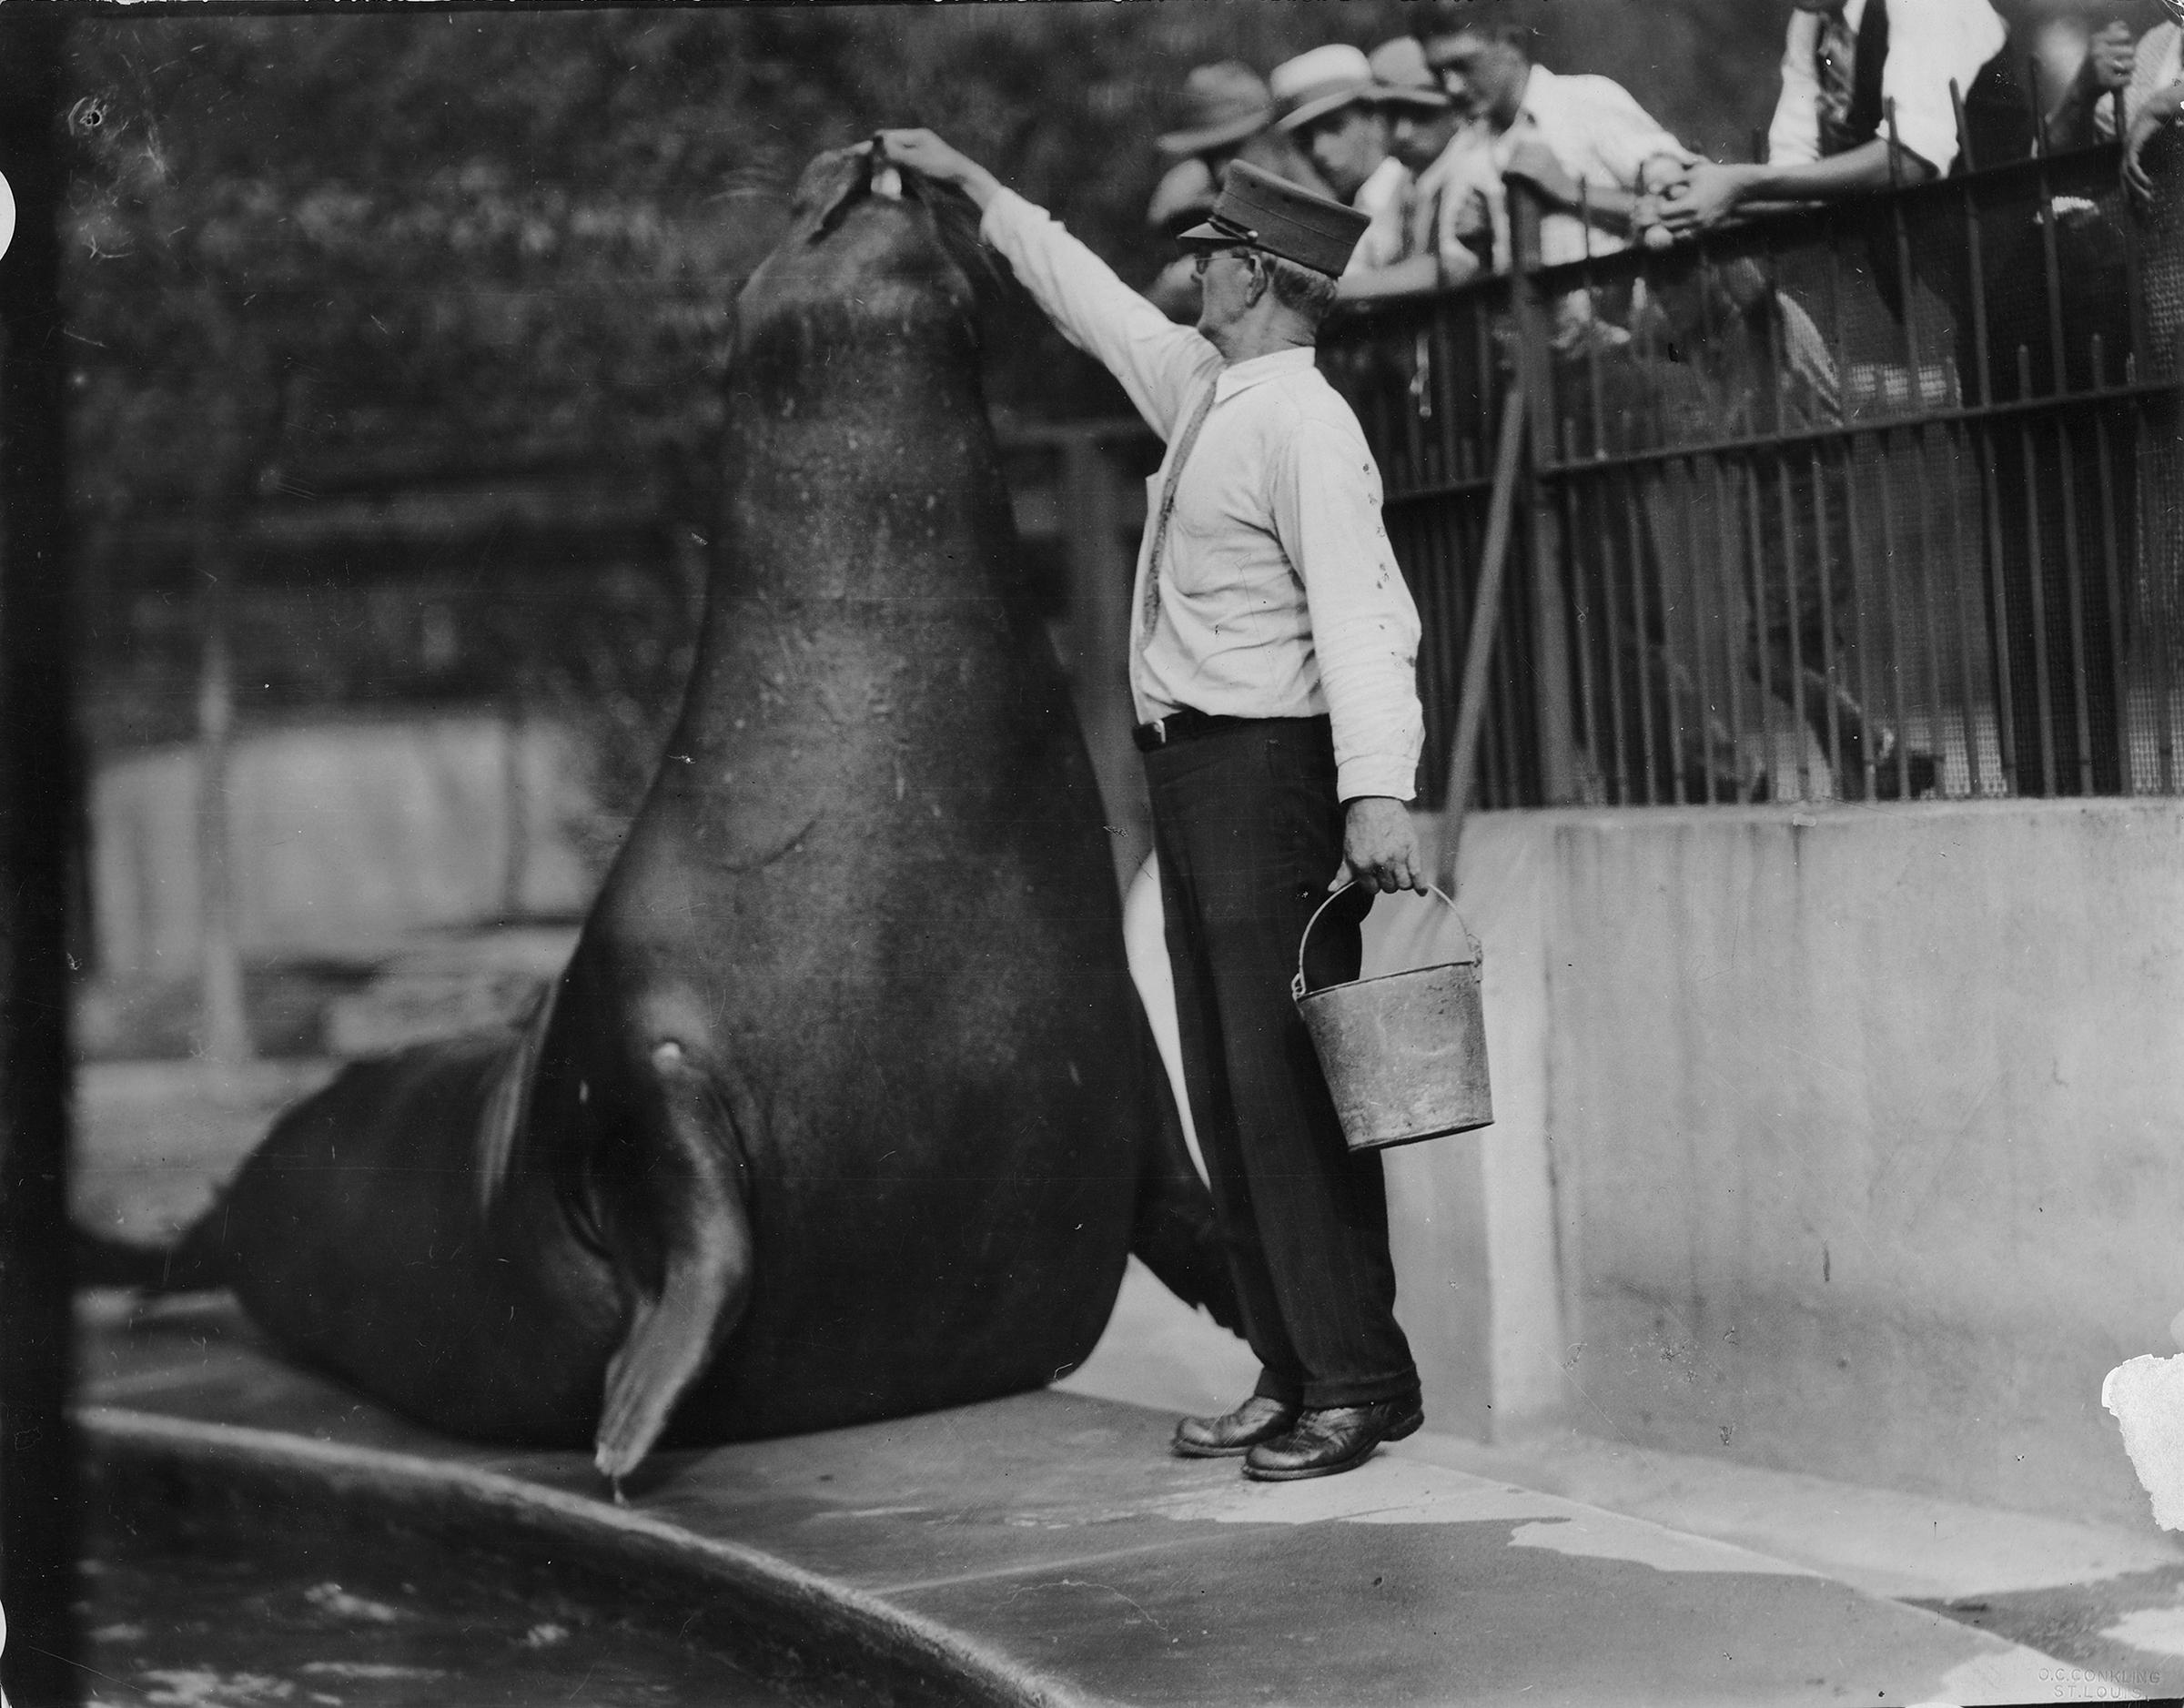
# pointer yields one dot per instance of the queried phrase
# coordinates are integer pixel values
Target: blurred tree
(317, 257)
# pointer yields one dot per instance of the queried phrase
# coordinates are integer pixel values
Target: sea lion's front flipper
(508, 1103)
(1174, 1233)
(705, 1278)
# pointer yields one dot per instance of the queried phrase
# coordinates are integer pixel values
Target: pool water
(308, 1617)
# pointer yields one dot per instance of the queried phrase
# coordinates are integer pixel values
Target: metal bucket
(1404, 1054)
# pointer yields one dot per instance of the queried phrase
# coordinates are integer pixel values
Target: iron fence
(1874, 501)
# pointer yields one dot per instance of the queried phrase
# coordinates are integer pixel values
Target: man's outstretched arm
(1159, 362)
(926, 154)
(1709, 194)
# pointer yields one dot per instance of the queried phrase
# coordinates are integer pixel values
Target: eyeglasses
(1204, 257)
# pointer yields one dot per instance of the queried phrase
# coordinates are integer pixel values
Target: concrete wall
(1862, 1128)
(340, 832)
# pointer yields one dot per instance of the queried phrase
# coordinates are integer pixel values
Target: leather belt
(1182, 726)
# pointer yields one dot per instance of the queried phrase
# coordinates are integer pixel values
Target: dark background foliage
(414, 325)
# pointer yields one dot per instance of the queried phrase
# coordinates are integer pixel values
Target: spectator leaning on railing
(2149, 75)
(1845, 65)
(1326, 100)
(2086, 112)
(2153, 94)
(1423, 125)
(1849, 66)
(1595, 154)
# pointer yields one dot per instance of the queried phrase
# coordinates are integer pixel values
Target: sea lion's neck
(860, 465)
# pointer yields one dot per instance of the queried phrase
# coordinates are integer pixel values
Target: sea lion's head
(871, 258)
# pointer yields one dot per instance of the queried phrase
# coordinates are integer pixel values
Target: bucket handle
(1297, 985)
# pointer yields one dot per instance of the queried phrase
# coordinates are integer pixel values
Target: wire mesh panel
(1875, 501)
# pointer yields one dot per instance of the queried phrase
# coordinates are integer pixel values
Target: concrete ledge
(856, 1644)
(1855, 1125)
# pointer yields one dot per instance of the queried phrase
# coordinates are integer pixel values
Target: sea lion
(843, 1106)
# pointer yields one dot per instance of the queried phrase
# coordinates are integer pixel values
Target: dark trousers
(1249, 831)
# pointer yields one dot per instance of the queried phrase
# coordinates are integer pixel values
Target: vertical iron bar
(1551, 662)
(1997, 642)
(1975, 784)
(1602, 536)
(1641, 658)
(2038, 593)
(1444, 378)
(1583, 608)
(1827, 616)
(1903, 252)
(2073, 595)
(1894, 601)
(1930, 631)
(1787, 505)
(1694, 576)
(1865, 586)
(1752, 500)
(1736, 643)
(2104, 455)
(2164, 674)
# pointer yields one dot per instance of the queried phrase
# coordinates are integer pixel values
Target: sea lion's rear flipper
(1175, 1234)
(705, 1278)
(193, 1262)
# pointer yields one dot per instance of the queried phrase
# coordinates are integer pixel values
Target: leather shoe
(1338, 1438)
(1258, 1420)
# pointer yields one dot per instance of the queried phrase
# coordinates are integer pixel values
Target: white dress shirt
(1279, 594)
(1931, 44)
(1595, 129)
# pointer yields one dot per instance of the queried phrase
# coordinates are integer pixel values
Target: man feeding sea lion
(1273, 668)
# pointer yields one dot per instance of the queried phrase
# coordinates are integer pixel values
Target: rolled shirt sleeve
(1793, 138)
(1159, 363)
(1931, 44)
(1620, 134)
(1365, 629)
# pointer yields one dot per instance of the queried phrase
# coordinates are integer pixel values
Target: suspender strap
(1168, 510)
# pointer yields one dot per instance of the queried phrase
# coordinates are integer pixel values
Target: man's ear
(1262, 280)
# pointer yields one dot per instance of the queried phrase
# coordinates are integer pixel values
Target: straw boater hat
(1222, 103)
(1323, 81)
(1400, 77)
(1283, 218)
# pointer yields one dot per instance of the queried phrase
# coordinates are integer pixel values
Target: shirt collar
(1538, 87)
(1244, 374)
(1385, 185)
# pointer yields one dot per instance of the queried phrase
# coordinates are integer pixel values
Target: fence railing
(1875, 501)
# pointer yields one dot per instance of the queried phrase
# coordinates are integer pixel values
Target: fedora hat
(1400, 77)
(1318, 82)
(1184, 197)
(1222, 103)
(1264, 212)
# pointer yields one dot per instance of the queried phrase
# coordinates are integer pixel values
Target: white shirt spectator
(1931, 44)
(1592, 126)
(1385, 199)
(2156, 63)
(1279, 592)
